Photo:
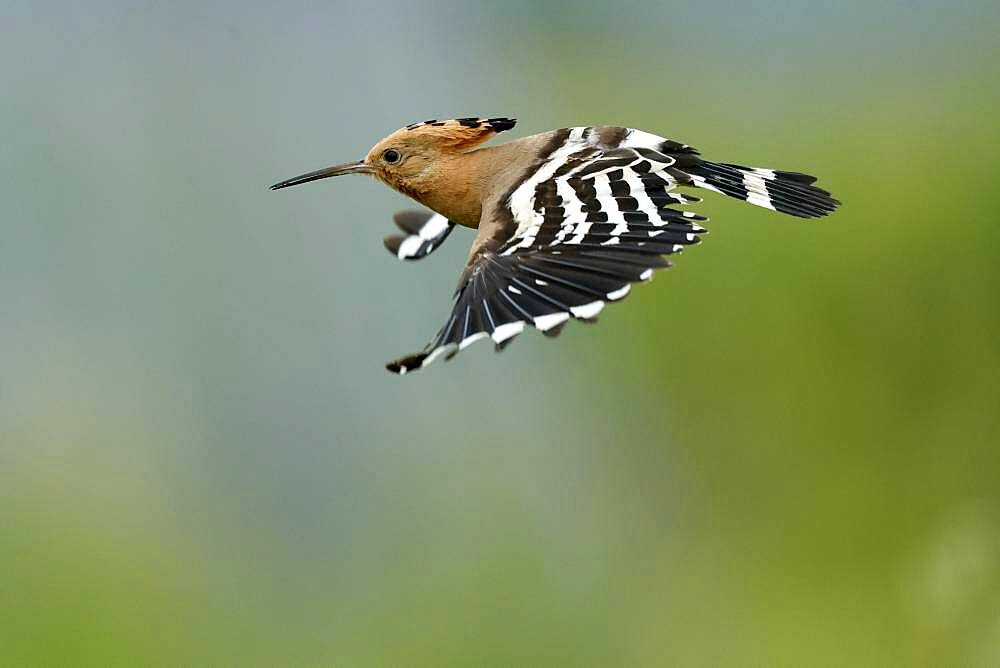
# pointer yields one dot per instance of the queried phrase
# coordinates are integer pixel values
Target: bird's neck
(458, 184)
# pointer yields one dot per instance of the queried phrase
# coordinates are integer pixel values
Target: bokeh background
(784, 451)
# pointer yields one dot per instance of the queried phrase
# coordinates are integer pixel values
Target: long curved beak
(358, 167)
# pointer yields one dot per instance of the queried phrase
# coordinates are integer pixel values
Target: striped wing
(597, 214)
(424, 231)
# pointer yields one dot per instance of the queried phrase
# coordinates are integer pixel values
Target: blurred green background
(785, 451)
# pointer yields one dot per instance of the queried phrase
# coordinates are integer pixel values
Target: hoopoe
(567, 220)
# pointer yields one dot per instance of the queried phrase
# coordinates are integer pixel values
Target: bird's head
(408, 160)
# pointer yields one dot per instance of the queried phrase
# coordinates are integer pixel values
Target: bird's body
(566, 220)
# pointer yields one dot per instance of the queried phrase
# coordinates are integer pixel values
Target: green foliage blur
(785, 451)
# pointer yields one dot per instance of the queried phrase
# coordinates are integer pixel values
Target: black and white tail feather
(594, 216)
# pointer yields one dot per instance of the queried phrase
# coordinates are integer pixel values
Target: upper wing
(593, 216)
(425, 231)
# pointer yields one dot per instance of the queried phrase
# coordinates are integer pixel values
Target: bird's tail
(787, 192)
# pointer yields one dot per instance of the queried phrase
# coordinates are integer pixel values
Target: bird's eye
(391, 156)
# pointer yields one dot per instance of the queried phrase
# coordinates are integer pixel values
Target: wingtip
(404, 365)
(392, 242)
(397, 368)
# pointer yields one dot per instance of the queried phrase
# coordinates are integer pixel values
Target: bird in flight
(566, 220)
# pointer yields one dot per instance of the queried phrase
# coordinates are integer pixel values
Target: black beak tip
(336, 170)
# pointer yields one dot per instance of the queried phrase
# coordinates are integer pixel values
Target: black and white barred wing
(602, 197)
(596, 215)
(424, 231)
